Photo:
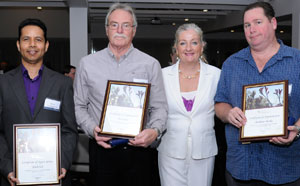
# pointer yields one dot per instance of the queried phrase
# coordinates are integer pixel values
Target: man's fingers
(104, 144)
(237, 117)
(101, 140)
(63, 173)
(97, 129)
(144, 139)
(13, 180)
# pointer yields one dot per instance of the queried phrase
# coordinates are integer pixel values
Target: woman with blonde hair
(188, 148)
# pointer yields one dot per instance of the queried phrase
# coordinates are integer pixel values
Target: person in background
(3, 67)
(70, 71)
(187, 150)
(173, 56)
(24, 94)
(129, 164)
(266, 59)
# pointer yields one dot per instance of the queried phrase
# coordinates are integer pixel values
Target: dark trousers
(122, 165)
(67, 180)
(235, 182)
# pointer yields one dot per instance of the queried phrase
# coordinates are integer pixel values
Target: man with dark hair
(70, 71)
(129, 164)
(32, 93)
(33, 22)
(267, 59)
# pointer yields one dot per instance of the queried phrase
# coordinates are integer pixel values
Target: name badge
(52, 104)
(140, 80)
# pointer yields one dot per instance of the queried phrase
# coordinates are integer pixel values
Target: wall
(56, 20)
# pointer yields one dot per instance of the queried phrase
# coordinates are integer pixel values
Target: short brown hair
(268, 9)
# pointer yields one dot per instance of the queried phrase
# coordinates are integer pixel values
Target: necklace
(184, 76)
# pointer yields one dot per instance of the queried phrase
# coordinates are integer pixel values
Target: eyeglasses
(115, 26)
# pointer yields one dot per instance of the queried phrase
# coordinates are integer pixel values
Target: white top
(189, 95)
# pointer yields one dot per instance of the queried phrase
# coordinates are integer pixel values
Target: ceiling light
(205, 10)
(186, 19)
(39, 8)
(173, 24)
(232, 31)
(281, 31)
(156, 21)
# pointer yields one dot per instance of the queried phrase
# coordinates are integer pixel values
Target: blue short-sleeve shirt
(264, 161)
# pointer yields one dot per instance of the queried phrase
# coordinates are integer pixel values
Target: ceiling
(211, 15)
(170, 12)
(159, 12)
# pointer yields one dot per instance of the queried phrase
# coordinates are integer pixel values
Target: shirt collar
(282, 52)
(124, 56)
(25, 72)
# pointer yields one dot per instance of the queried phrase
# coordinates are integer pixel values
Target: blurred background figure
(173, 56)
(3, 67)
(188, 148)
(70, 71)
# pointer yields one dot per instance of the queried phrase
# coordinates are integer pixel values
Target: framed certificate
(265, 106)
(124, 109)
(37, 153)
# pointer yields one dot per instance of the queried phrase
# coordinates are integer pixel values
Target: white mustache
(120, 35)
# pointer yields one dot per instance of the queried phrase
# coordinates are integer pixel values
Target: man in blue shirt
(272, 162)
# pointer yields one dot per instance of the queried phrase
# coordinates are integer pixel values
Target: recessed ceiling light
(205, 10)
(173, 24)
(186, 19)
(39, 8)
(232, 30)
(281, 31)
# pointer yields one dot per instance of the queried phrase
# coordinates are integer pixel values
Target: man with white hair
(132, 163)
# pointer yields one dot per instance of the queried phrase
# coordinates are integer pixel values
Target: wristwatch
(298, 135)
(158, 133)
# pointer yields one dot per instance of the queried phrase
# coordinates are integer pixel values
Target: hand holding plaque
(124, 109)
(265, 107)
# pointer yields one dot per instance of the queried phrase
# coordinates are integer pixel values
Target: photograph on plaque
(37, 153)
(265, 107)
(124, 109)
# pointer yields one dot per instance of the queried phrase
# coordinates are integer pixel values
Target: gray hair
(124, 7)
(188, 26)
(197, 29)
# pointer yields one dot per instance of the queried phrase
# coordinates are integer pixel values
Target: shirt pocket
(140, 77)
